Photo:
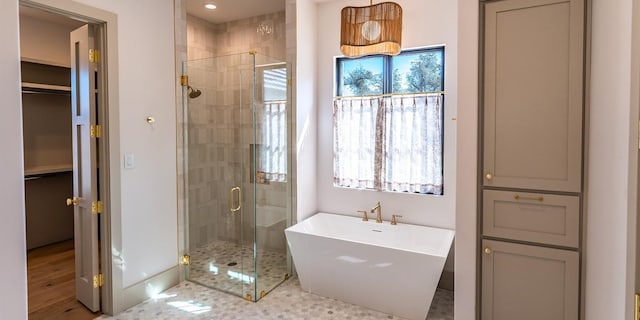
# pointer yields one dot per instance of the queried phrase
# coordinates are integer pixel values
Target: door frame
(111, 292)
(633, 238)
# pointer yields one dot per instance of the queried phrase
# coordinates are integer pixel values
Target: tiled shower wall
(264, 34)
(216, 143)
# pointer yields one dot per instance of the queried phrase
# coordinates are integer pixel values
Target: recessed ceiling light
(210, 6)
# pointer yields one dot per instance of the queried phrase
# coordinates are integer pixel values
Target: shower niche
(237, 175)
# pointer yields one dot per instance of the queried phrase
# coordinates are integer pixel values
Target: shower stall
(237, 173)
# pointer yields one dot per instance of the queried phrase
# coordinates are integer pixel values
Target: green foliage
(424, 74)
(363, 82)
(397, 82)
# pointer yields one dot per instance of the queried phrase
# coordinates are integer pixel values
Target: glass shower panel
(271, 168)
(237, 183)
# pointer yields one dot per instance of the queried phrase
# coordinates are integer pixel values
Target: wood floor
(51, 276)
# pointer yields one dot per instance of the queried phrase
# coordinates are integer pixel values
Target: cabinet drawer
(534, 217)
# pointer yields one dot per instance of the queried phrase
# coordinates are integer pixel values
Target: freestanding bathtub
(390, 268)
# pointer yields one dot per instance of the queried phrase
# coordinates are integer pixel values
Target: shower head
(193, 93)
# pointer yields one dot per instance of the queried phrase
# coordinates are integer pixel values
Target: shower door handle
(232, 206)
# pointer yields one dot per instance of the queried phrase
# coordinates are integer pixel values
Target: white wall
(142, 82)
(13, 297)
(611, 169)
(436, 28)
(467, 155)
(146, 88)
(307, 28)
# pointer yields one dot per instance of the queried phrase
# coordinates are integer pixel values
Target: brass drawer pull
(519, 197)
(487, 250)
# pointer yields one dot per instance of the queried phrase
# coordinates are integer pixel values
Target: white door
(85, 190)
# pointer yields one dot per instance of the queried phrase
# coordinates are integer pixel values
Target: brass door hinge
(636, 311)
(184, 80)
(95, 131)
(94, 55)
(98, 280)
(97, 207)
(185, 260)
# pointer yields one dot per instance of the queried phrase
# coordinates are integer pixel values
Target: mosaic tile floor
(228, 267)
(288, 301)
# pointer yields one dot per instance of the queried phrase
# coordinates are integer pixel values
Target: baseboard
(143, 290)
(446, 280)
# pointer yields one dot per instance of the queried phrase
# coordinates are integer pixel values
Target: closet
(532, 159)
(46, 111)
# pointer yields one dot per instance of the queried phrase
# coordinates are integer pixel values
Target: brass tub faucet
(379, 216)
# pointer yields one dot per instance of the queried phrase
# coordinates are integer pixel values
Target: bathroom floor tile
(288, 301)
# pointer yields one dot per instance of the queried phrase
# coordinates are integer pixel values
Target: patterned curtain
(354, 141)
(391, 143)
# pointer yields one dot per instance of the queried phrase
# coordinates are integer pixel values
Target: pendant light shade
(375, 29)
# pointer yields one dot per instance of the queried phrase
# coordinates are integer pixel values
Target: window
(388, 122)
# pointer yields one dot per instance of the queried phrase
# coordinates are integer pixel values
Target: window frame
(387, 88)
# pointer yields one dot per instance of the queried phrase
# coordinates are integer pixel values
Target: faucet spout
(378, 207)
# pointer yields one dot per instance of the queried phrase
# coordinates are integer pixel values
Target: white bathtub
(392, 269)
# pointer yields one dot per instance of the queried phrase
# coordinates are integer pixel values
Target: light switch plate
(129, 161)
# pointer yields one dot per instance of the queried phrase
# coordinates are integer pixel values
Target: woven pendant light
(375, 29)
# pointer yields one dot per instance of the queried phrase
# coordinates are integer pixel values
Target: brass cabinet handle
(489, 176)
(73, 201)
(519, 197)
(231, 198)
(487, 250)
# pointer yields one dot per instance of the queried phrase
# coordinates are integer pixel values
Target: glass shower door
(218, 128)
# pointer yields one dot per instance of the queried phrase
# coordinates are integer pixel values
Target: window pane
(362, 76)
(275, 84)
(417, 72)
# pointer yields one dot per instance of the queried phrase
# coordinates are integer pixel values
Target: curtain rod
(434, 93)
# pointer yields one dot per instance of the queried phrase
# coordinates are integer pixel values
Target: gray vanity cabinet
(532, 155)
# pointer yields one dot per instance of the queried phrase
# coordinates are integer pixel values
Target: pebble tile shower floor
(211, 265)
(288, 301)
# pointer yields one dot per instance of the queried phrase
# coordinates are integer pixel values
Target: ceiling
(230, 10)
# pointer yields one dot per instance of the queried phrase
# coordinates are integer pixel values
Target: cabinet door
(527, 282)
(533, 62)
